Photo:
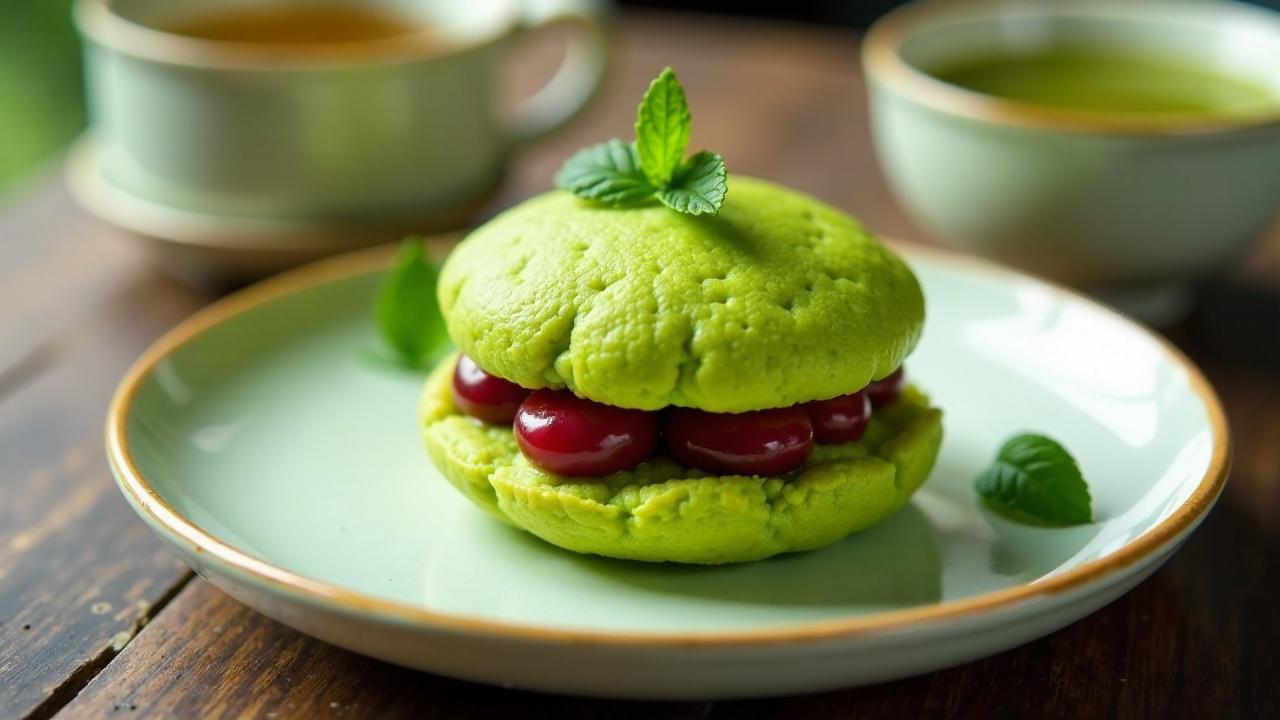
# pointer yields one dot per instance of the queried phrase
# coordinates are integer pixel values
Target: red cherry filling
(887, 389)
(484, 396)
(841, 419)
(566, 435)
(763, 442)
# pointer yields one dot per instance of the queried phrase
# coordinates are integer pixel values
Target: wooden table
(97, 618)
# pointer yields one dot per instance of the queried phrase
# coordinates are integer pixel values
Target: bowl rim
(186, 534)
(883, 63)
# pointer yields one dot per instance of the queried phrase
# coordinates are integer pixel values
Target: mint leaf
(699, 187)
(617, 173)
(406, 309)
(1035, 478)
(662, 128)
(608, 173)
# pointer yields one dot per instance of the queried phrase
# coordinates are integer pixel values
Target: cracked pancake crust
(777, 300)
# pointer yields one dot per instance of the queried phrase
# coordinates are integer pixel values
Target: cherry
(762, 442)
(566, 435)
(484, 396)
(841, 419)
(885, 390)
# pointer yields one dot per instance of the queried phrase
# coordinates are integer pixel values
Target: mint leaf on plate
(662, 128)
(1034, 479)
(609, 173)
(699, 187)
(406, 309)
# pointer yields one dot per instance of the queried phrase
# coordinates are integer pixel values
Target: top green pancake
(777, 300)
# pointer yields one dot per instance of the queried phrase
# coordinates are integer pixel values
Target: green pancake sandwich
(659, 363)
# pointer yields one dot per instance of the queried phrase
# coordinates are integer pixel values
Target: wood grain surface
(78, 574)
(251, 667)
(97, 619)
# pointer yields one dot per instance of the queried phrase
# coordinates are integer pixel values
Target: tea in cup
(251, 122)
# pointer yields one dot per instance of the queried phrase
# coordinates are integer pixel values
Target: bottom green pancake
(660, 511)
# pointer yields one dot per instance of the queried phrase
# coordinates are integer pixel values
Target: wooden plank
(208, 656)
(57, 264)
(79, 573)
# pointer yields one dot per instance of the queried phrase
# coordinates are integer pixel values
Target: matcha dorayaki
(776, 302)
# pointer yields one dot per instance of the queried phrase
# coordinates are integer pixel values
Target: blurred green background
(41, 106)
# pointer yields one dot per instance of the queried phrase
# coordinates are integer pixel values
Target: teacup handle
(578, 78)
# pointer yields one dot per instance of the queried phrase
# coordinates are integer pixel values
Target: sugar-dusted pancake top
(777, 300)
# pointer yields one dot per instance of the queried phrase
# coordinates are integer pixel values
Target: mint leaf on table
(699, 187)
(617, 173)
(608, 172)
(1034, 479)
(406, 309)
(662, 128)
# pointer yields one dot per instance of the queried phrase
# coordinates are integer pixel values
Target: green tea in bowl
(1110, 81)
(1126, 148)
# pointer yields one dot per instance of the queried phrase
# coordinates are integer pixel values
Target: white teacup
(403, 126)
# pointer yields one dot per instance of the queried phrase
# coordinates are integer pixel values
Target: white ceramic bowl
(1110, 202)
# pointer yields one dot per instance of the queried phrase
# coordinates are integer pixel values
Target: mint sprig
(1034, 479)
(406, 309)
(618, 173)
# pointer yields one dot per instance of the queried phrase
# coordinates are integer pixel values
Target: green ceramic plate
(266, 442)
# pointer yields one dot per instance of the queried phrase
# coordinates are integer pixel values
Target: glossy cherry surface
(841, 419)
(763, 442)
(566, 435)
(887, 389)
(485, 396)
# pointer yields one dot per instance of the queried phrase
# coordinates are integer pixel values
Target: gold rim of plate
(164, 516)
